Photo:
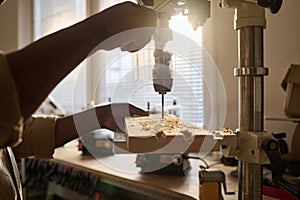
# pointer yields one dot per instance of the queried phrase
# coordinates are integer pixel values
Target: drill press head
(196, 10)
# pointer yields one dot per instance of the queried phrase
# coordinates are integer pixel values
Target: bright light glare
(180, 24)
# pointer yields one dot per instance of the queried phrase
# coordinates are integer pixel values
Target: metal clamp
(227, 139)
(249, 145)
(251, 71)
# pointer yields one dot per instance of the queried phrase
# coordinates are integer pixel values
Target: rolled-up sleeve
(34, 138)
(38, 138)
(11, 121)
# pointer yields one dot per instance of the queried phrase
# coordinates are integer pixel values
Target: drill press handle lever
(272, 5)
(271, 148)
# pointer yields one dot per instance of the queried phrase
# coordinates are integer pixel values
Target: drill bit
(162, 106)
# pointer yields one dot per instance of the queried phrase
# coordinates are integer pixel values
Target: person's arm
(43, 134)
(110, 116)
(39, 67)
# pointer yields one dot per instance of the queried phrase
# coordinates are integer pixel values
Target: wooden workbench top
(121, 168)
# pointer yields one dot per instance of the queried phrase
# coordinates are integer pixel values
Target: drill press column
(250, 104)
(251, 90)
(250, 22)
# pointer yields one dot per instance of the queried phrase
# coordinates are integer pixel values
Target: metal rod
(250, 106)
(162, 106)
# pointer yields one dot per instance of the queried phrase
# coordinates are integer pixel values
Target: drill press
(249, 22)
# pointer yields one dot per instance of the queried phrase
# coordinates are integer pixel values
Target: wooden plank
(168, 135)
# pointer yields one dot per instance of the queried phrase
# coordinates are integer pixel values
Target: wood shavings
(188, 135)
(154, 125)
(160, 136)
(151, 133)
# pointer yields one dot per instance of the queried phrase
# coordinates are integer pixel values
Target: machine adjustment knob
(272, 5)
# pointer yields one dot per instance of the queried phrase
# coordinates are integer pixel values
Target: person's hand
(112, 116)
(128, 26)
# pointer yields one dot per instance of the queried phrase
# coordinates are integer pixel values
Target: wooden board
(168, 135)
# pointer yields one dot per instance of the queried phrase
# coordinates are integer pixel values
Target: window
(50, 16)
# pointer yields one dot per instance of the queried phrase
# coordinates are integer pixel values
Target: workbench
(120, 171)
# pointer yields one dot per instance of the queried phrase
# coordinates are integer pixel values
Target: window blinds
(50, 16)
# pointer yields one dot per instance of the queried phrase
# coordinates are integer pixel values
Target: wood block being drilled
(169, 135)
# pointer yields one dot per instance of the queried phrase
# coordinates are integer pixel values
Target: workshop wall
(16, 26)
(9, 28)
(282, 48)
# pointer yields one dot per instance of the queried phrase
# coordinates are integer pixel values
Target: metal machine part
(272, 5)
(198, 11)
(210, 184)
(250, 22)
(161, 74)
(51, 107)
(98, 143)
(163, 164)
